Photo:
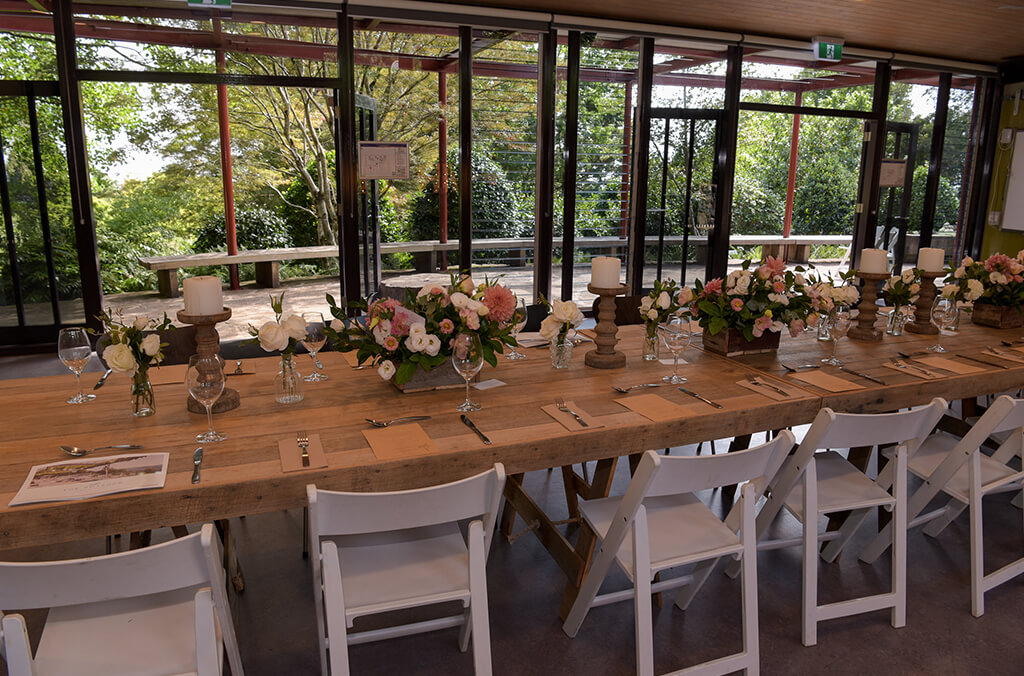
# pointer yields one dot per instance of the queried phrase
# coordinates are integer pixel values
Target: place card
(769, 392)
(489, 384)
(399, 442)
(913, 372)
(654, 408)
(826, 381)
(168, 375)
(566, 419)
(949, 365)
(291, 454)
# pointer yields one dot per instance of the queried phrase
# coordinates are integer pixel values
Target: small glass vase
(143, 402)
(651, 343)
(561, 354)
(897, 318)
(288, 382)
(823, 334)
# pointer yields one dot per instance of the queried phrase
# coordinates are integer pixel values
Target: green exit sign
(828, 49)
(210, 3)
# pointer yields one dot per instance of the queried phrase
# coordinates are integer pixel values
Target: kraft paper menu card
(768, 391)
(168, 375)
(654, 408)
(399, 442)
(291, 454)
(566, 419)
(826, 381)
(949, 365)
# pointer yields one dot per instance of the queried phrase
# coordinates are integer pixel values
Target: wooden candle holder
(865, 329)
(922, 323)
(605, 356)
(208, 345)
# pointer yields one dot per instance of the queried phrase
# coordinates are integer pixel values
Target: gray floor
(276, 621)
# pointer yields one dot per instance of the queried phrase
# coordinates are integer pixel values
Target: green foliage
(256, 228)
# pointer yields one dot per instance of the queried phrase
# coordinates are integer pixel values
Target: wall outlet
(1006, 136)
(994, 217)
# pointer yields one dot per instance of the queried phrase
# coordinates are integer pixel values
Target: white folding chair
(816, 482)
(377, 552)
(659, 524)
(958, 468)
(158, 610)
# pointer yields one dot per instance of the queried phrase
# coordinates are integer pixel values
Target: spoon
(389, 423)
(624, 390)
(78, 452)
(795, 369)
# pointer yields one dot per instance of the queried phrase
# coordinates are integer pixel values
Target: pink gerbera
(778, 287)
(500, 301)
(446, 326)
(736, 304)
(775, 264)
(391, 343)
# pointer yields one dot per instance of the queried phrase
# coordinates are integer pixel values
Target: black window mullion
(44, 213)
(572, 125)
(12, 245)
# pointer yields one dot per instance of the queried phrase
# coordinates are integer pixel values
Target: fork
(757, 381)
(624, 390)
(302, 440)
(389, 423)
(899, 363)
(560, 403)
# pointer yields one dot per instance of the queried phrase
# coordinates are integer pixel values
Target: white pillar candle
(604, 272)
(874, 261)
(931, 259)
(203, 296)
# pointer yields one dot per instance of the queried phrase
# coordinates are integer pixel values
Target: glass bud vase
(561, 354)
(288, 382)
(651, 343)
(897, 318)
(143, 402)
(823, 334)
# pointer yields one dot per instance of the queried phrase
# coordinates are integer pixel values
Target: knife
(103, 379)
(863, 375)
(469, 423)
(986, 362)
(197, 460)
(697, 396)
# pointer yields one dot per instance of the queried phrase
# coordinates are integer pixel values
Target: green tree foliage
(255, 228)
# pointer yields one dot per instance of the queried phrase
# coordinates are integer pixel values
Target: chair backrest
(844, 430)
(343, 513)
(1005, 414)
(535, 314)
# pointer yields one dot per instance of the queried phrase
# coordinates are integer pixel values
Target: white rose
(950, 290)
(386, 369)
(549, 328)
(120, 358)
(564, 310)
(466, 284)
(460, 300)
(997, 277)
(294, 326)
(664, 301)
(141, 323)
(959, 273)
(151, 344)
(646, 303)
(416, 342)
(685, 295)
(481, 309)
(974, 289)
(337, 325)
(652, 314)
(272, 337)
(433, 345)
(908, 276)
(417, 329)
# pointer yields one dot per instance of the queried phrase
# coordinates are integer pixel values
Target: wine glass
(205, 380)
(467, 358)
(839, 323)
(944, 315)
(675, 334)
(519, 320)
(74, 350)
(313, 341)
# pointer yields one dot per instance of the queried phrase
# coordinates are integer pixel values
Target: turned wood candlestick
(208, 345)
(605, 356)
(923, 307)
(865, 329)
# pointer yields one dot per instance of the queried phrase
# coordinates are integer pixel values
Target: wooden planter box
(731, 342)
(443, 377)
(998, 316)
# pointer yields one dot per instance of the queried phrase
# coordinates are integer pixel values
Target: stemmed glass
(675, 334)
(944, 315)
(74, 350)
(313, 342)
(838, 324)
(519, 318)
(205, 380)
(467, 358)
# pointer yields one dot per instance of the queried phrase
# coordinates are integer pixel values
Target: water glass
(314, 341)
(468, 359)
(74, 350)
(205, 380)
(839, 322)
(675, 334)
(944, 316)
(519, 319)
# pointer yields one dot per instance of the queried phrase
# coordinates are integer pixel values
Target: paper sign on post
(383, 160)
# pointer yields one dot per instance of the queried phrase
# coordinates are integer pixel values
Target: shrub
(256, 228)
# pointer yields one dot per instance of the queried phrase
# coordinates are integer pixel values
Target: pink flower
(813, 319)
(383, 307)
(446, 326)
(779, 287)
(471, 318)
(500, 301)
(736, 304)
(775, 264)
(997, 261)
(391, 343)
(761, 324)
(795, 327)
(713, 287)
(400, 325)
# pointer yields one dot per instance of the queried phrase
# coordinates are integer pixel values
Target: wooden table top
(243, 474)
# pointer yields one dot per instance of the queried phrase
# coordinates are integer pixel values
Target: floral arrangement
(766, 298)
(826, 295)
(903, 288)
(664, 300)
(128, 348)
(564, 315)
(401, 337)
(279, 335)
(997, 281)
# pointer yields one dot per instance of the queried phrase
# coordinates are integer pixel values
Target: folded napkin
(168, 375)
(914, 372)
(531, 339)
(291, 454)
(654, 408)
(568, 422)
(399, 442)
(769, 392)
(351, 358)
(826, 381)
(949, 365)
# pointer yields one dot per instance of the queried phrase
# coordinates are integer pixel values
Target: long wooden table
(243, 474)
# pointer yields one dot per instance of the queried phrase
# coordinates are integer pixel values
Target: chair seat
(400, 570)
(682, 530)
(154, 635)
(841, 486)
(935, 449)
